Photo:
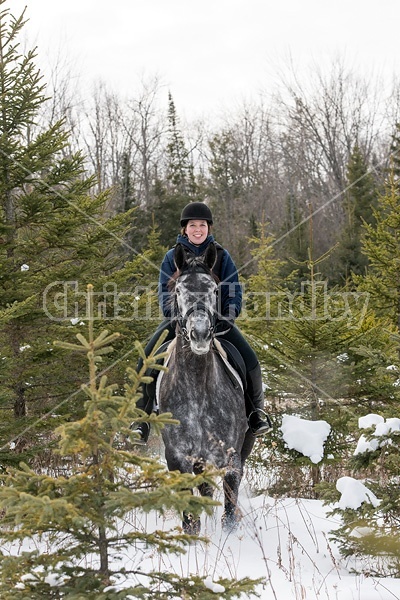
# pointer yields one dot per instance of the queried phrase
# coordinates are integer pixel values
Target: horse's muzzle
(200, 350)
(199, 333)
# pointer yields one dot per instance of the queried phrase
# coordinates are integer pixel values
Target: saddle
(232, 361)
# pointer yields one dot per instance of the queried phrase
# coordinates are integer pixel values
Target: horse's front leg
(205, 489)
(232, 479)
(190, 523)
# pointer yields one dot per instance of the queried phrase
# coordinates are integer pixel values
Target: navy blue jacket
(230, 290)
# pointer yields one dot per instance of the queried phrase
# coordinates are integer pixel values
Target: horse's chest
(211, 416)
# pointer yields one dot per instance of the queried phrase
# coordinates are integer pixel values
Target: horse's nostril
(198, 334)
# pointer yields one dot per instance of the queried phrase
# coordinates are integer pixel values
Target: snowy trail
(284, 541)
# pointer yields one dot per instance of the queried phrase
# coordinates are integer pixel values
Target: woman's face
(197, 231)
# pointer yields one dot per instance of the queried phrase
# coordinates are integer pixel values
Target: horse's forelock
(193, 265)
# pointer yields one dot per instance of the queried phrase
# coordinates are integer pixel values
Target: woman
(195, 236)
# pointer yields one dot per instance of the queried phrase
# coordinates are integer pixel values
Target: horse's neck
(182, 349)
(185, 356)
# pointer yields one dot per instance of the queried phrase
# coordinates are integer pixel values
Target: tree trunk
(19, 402)
(103, 549)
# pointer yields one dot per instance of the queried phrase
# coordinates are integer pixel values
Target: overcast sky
(211, 54)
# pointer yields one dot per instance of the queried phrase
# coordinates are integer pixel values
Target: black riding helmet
(198, 211)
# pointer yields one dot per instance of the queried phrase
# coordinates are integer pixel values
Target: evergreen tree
(381, 246)
(53, 232)
(370, 530)
(126, 187)
(359, 205)
(135, 310)
(378, 348)
(395, 151)
(334, 354)
(83, 513)
(180, 186)
(168, 206)
(324, 354)
(311, 339)
(263, 292)
(227, 194)
(180, 169)
(294, 240)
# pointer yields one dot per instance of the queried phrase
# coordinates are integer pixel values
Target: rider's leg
(259, 421)
(146, 403)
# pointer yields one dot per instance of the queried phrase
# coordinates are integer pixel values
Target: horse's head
(196, 297)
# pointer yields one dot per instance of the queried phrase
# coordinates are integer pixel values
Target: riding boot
(143, 430)
(145, 403)
(259, 421)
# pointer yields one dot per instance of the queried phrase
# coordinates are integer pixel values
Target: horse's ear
(179, 257)
(210, 255)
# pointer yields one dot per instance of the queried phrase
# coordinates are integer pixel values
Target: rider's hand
(224, 325)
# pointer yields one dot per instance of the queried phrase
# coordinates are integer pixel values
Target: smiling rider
(195, 236)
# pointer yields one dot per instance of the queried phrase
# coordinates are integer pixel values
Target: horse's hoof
(230, 522)
(191, 525)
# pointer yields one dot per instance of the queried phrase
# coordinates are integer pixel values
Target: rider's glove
(224, 325)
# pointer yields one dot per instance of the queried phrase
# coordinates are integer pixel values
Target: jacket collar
(197, 250)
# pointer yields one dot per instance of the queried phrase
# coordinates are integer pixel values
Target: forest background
(305, 195)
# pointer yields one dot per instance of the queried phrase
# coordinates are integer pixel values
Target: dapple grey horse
(200, 392)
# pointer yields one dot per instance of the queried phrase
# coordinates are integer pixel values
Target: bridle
(197, 307)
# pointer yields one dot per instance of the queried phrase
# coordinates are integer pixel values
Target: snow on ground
(285, 541)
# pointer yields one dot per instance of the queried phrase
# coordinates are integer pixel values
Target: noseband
(196, 307)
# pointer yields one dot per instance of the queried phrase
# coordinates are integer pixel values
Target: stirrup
(257, 424)
(143, 431)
